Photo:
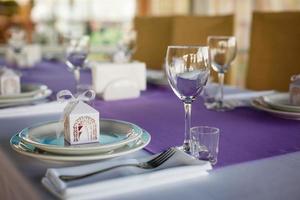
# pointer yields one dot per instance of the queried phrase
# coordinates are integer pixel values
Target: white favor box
(81, 124)
(114, 81)
(9, 82)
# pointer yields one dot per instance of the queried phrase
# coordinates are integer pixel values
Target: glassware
(76, 58)
(205, 143)
(222, 51)
(126, 47)
(187, 69)
(15, 54)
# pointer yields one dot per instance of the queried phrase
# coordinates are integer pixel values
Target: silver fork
(151, 164)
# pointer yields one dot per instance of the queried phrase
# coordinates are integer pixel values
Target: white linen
(121, 180)
(233, 96)
(247, 95)
(39, 109)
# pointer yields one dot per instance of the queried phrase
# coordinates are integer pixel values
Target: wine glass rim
(186, 46)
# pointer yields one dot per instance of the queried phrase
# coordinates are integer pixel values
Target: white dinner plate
(261, 105)
(157, 77)
(31, 151)
(113, 134)
(281, 101)
(43, 94)
(27, 91)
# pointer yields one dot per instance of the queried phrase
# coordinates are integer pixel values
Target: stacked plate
(116, 138)
(30, 93)
(156, 77)
(277, 104)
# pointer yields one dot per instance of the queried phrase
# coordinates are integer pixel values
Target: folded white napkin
(248, 95)
(39, 109)
(121, 180)
(232, 95)
(114, 81)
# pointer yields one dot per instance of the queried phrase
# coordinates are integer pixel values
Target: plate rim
(76, 158)
(71, 150)
(40, 95)
(256, 103)
(289, 108)
(40, 87)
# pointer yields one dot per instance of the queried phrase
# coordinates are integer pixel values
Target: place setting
(282, 104)
(15, 93)
(82, 136)
(80, 139)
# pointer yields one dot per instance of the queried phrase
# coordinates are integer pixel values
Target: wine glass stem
(77, 78)
(221, 88)
(187, 119)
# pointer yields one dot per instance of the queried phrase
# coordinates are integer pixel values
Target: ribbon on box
(67, 96)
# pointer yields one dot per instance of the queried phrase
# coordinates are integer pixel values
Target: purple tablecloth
(246, 134)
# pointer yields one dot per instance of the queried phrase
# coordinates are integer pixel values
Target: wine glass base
(220, 107)
(185, 148)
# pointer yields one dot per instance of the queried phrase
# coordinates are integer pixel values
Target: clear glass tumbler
(205, 143)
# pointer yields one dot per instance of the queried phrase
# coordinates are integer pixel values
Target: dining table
(259, 153)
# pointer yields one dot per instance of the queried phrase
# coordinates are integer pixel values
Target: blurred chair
(154, 34)
(194, 30)
(8, 9)
(274, 54)
(153, 37)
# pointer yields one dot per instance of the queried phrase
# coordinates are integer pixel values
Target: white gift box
(113, 81)
(81, 123)
(9, 82)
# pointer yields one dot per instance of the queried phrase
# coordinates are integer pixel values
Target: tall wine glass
(222, 51)
(187, 69)
(76, 58)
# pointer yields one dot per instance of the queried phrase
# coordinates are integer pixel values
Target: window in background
(106, 21)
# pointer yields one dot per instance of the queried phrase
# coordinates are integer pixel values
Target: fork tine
(167, 156)
(162, 157)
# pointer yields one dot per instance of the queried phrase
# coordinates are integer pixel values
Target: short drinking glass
(205, 143)
(222, 51)
(187, 69)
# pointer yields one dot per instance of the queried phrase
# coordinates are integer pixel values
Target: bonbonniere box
(81, 123)
(113, 81)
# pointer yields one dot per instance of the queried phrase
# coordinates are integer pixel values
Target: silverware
(151, 164)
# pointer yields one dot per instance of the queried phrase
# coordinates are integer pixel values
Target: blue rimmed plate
(113, 135)
(32, 151)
